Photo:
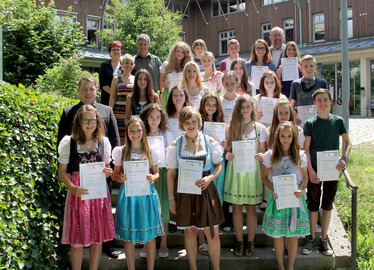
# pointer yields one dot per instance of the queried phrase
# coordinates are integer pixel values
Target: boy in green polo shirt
(322, 133)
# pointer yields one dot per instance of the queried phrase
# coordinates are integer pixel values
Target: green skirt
(161, 186)
(165, 96)
(243, 188)
(278, 223)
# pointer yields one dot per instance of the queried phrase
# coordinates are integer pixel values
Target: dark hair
(170, 107)
(164, 124)
(278, 88)
(244, 83)
(135, 96)
(321, 91)
(219, 115)
(115, 43)
(77, 131)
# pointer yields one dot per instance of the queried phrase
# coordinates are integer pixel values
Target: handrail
(353, 189)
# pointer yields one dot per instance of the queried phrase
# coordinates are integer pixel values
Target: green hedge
(31, 195)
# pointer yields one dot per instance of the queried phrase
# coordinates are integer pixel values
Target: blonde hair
(308, 57)
(186, 113)
(126, 149)
(198, 77)
(211, 56)
(128, 57)
(236, 127)
(172, 60)
(233, 41)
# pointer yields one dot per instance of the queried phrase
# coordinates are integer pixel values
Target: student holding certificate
(156, 123)
(285, 158)
(86, 144)
(322, 133)
(138, 217)
(192, 212)
(211, 75)
(230, 84)
(244, 188)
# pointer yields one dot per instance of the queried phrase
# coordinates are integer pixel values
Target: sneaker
(325, 248)
(310, 245)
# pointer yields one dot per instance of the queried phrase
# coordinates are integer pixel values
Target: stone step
(263, 259)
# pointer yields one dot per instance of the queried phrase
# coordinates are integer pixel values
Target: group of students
(180, 119)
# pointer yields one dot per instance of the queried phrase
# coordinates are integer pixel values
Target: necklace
(246, 124)
(193, 139)
(88, 145)
(136, 149)
(154, 133)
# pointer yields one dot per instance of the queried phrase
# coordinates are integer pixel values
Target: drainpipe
(345, 61)
(309, 19)
(300, 26)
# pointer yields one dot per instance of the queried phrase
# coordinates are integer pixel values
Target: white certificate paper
(326, 165)
(215, 130)
(256, 74)
(174, 79)
(267, 107)
(284, 187)
(93, 178)
(174, 128)
(212, 86)
(189, 172)
(290, 71)
(306, 112)
(244, 156)
(157, 144)
(136, 183)
(228, 63)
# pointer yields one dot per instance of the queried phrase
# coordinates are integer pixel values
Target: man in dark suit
(87, 89)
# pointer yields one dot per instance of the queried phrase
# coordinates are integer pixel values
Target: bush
(63, 77)
(31, 194)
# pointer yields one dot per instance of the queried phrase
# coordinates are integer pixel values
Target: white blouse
(117, 156)
(267, 157)
(172, 159)
(252, 135)
(64, 150)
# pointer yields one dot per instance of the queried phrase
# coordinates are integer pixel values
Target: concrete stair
(263, 259)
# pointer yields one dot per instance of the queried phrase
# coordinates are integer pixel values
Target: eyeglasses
(89, 121)
(260, 48)
(115, 49)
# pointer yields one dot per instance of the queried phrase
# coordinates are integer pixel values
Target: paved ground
(361, 130)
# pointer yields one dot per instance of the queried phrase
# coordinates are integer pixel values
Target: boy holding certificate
(303, 89)
(322, 133)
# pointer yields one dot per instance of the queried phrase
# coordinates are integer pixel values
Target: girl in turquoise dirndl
(178, 56)
(244, 188)
(155, 120)
(138, 217)
(285, 158)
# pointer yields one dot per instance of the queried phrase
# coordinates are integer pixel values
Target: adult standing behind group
(109, 69)
(277, 47)
(87, 89)
(146, 60)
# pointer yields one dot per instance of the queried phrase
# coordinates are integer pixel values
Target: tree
(34, 39)
(133, 17)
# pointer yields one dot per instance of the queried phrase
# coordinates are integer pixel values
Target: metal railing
(353, 189)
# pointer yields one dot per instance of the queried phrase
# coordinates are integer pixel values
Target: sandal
(203, 249)
(239, 249)
(249, 249)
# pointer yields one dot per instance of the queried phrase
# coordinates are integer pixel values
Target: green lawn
(361, 170)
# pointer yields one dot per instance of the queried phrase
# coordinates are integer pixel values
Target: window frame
(267, 31)
(285, 28)
(230, 35)
(314, 27)
(239, 3)
(350, 20)
(272, 2)
(98, 20)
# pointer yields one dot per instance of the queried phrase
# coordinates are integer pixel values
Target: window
(271, 2)
(288, 30)
(224, 7)
(180, 7)
(93, 24)
(224, 38)
(182, 35)
(350, 22)
(318, 27)
(265, 32)
(61, 14)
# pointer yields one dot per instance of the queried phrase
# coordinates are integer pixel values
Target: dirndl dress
(290, 222)
(86, 222)
(138, 217)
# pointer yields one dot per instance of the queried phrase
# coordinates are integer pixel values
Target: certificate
(157, 144)
(190, 171)
(174, 128)
(326, 165)
(256, 74)
(135, 116)
(228, 63)
(290, 71)
(212, 86)
(174, 79)
(267, 107)
(284, 187)
(93, 178)
(244, 156)
(216, 130)
(136, 183)
(306, 112)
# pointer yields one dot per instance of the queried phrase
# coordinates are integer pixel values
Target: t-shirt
(228, 107)
(324, 134)
(304, 98)
(222, 66)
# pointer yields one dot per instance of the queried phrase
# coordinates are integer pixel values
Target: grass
(361, 170)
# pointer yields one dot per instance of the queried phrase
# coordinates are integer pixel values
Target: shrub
(31, 194)
(63, 77)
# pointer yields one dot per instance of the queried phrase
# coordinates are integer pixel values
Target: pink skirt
(87, 222)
